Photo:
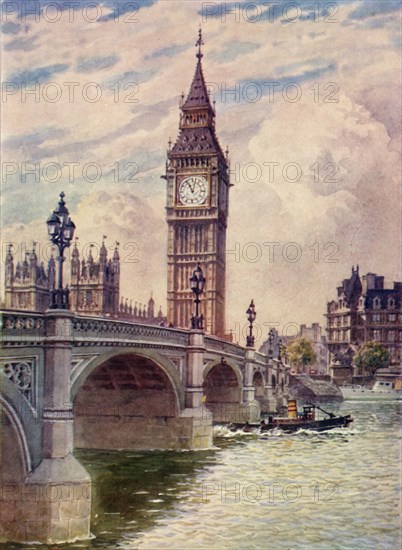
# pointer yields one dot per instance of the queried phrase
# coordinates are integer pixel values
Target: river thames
(335, 490)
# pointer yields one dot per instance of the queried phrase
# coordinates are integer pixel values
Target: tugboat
(296, 421)
(306, 420)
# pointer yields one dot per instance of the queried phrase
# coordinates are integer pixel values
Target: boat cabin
(308, 413)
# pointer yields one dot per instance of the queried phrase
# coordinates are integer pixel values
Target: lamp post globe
(251, 315)
(61, 232)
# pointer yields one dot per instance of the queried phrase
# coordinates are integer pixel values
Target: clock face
(193, 191)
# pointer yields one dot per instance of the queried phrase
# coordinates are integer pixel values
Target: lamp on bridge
(271, 336)
(280, 346)
(251, 315)
(197, 283)
(61, 232)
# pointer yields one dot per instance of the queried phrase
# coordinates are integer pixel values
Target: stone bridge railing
(22, 328)
(27, 328)
(216, 345)
(87, 331)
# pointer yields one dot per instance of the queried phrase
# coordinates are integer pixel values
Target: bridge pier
(199, 418)
(251, 407)
(57, 503)
(271, 403)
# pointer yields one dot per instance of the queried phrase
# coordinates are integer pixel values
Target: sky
(307, 100)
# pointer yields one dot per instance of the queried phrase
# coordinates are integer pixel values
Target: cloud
(11, 28)
(119, 11)
(129, 77)
(37, 76)
(33, 10)
(331, 223)
(169, 51)
(373, 8)
(96, 63)
(23, 44)
(32, 143)
(234, 49)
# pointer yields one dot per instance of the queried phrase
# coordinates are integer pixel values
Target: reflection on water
(134, 490)
(338, 489)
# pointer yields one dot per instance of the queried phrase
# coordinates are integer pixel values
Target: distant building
(94, 287)
(364, 311)
(319, 342)
(28, 283)
(141, 313)
(272, 345)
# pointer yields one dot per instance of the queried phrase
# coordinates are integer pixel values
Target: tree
(370, 357)
(300, 353)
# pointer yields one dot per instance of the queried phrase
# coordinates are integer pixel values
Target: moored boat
(382, 390)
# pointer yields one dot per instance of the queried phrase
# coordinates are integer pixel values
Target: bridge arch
(127, 399)
(16, 462)
(223, 390)
(259, 385)
(25, 419)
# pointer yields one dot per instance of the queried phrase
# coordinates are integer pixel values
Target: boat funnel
(292, 409)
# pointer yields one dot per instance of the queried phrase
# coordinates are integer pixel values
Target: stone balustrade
(87, 329)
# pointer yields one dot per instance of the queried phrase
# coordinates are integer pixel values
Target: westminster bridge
(69, 381)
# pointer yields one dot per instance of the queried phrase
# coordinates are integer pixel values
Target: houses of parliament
(94, 286)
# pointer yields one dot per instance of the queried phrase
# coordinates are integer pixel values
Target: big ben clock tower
(197, 175)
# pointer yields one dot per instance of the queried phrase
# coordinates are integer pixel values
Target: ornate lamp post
(251, 315)
(271, 336)
(197, 283)
(61, 231)
(280, 346)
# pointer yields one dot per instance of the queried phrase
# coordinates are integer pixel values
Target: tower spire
(198, 96)
(199, 43)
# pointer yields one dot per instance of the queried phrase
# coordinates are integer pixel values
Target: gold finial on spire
(199, 43)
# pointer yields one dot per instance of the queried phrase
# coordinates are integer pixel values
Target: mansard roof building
(365, 310)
